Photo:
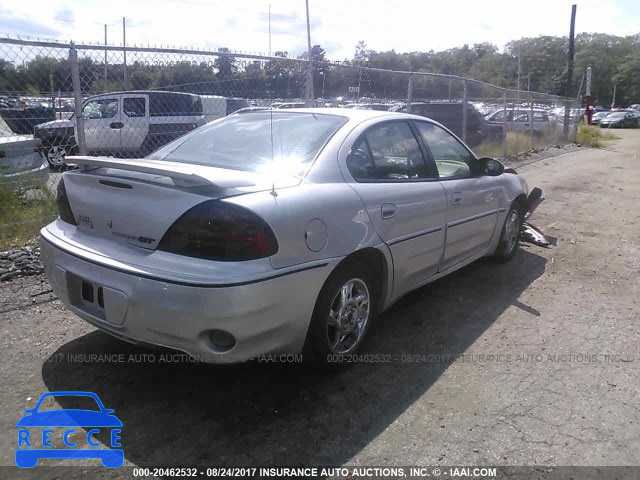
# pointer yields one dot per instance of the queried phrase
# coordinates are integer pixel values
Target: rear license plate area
(99, 301)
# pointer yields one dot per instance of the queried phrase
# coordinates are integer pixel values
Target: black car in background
(450, 114)
(621, 119)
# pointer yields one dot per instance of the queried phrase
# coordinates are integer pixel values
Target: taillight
(64, 209)
(215, 230)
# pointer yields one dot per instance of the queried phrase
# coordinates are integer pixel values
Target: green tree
(225, 65)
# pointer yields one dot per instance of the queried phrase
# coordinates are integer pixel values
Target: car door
(135, 122)
(472, 199)
(101, 117)
(403, 198)
(630, 120)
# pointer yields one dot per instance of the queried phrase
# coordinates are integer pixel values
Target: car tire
(56, 152)
(346, 308)
(510, 234)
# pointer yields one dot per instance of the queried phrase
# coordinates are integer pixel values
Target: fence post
(504, 124)
(77, 98)
(409, 93)
(531, 125)
(465, 113)
(53, 96)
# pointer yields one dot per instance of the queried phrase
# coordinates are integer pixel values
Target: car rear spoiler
(184, 174)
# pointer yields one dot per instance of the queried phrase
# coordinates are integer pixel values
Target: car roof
(142, 92)
(350, 113)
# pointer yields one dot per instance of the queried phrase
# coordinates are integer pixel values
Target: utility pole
(518, 73)
(124, 51)
(308, 93)
(570, 56)
(588, 107)
(105, 58)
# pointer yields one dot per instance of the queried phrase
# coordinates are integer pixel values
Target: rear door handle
(456, 199)
(116, 125)
(388, 210)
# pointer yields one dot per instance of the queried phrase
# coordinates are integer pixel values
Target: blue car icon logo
(34, 445)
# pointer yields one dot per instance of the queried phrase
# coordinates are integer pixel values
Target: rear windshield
(256, 142)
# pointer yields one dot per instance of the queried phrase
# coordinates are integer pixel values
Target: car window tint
(360, 162)
(452, 159)
(540, 117)
(105, 108)
(134, 107)
(387, 152)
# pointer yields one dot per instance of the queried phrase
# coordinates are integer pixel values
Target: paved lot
(530, 363)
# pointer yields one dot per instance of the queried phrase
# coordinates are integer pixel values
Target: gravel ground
(530, 363)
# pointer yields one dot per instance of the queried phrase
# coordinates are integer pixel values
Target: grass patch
(25, 207)
(517, 143)
(594, 136)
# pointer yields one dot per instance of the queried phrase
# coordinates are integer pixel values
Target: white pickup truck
(128, 124)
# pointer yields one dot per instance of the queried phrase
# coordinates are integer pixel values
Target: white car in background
(21, 158)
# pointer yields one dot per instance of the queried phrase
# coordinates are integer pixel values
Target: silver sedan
(276, 232)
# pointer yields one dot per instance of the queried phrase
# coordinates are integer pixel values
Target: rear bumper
(264, 316)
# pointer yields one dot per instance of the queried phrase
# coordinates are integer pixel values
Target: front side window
(387, 152)
(104, 108)
(134, 107)
(453, 160)
(266, 142)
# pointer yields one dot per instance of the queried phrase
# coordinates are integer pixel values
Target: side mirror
(491, 167)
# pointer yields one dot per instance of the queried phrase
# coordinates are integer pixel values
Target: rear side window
(520, 117)
(387, 152)
(134, 107)
(174, 104)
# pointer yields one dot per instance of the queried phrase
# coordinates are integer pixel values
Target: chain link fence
(61, 99)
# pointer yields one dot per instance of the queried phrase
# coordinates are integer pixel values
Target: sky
(336, 25)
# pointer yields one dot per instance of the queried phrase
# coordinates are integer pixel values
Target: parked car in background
(126, 124)
(597, 117)
(450, 114)
(21, 157)
(215, 106)
(524, 120)
(276, 232)
(23, 119)
(620, 119)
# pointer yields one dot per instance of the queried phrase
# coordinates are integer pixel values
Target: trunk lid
(135, 201)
